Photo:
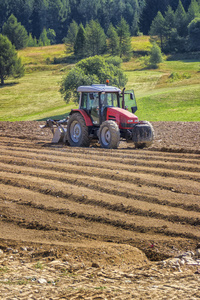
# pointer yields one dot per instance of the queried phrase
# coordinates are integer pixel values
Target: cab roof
(98, 88)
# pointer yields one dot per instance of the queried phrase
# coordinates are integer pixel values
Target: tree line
(175, 30)
(45, 22)
(57, 15)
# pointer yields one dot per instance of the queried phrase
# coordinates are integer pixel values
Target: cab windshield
(109, 99)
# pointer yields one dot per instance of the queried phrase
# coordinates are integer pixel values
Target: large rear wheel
(109, 135)
(77, 131)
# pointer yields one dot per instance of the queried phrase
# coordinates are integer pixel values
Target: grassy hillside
(169, 93)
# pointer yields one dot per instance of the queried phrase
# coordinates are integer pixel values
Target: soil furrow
(185, 185)
(112, 185)
(181, 166)
(114, 219)
(45, 187)
(71, 166)
(117, 156)
(176, 217)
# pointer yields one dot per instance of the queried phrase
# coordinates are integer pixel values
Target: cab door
(90, 103)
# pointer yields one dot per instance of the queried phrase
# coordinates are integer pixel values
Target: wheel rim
(75, 131)
(105, 136)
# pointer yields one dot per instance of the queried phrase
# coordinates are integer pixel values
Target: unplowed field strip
(58, 194)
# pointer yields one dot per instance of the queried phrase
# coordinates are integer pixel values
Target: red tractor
(102, 115)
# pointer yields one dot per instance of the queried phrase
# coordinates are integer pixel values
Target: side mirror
(133, 108)
(131, 96)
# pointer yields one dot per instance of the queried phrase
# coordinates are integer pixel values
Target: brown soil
(100, 221)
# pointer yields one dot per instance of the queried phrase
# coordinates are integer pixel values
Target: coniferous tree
(10, 64)
(158, 28)
(105, 14)
(194, 34)
(38, 17)
(181, 20)
(16, 33)
(32, 42)
(71, 35)
(135, 24)
(193, 11)
(4, 11)
(88, 10)
(51, 35)
(57, 14)
(124, 39)
(113, 40)
(150, 11)
(80, 43)
(95, 38)
(169, 28)
(155, 56)
(43, 39)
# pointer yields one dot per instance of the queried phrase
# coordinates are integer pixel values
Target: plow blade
(58, 128)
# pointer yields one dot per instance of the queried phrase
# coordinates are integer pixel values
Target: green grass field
(169, 93)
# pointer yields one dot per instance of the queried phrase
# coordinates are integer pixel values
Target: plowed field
(78, 199)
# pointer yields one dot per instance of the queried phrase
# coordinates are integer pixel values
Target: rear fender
(87, 119)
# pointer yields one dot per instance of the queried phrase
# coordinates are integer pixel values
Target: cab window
(109, 99)
(89, 100)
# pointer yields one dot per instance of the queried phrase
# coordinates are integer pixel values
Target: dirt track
(96, 205)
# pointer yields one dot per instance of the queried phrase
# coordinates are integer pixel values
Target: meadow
(169, 93)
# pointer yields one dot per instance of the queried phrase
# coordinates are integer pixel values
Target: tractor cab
(100, 101)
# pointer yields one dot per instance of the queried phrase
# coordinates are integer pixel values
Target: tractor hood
(122, 117)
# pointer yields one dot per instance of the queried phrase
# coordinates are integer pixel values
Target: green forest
(175, 23)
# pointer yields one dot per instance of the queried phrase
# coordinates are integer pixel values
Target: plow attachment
(58, 128)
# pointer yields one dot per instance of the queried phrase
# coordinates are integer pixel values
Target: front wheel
(77, 131)
(109, 135)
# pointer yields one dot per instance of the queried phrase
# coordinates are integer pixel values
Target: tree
(80, 42)
(194, 33)
(157, 27)
(124, 39)
(95, 38)
(113, 40)
(155, 56)
(150, 11)
(16, 33)
(43, 39)
(10, 64)
(181, 20)
(88, 9)
(89, 71)
(70, 39)
(38, 17)
(32, 42)
(193, 11)
(51, 35)
(57, 14)
(169, 28)
(135, 24)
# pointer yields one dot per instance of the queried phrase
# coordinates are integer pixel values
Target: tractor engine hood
(124, 118)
